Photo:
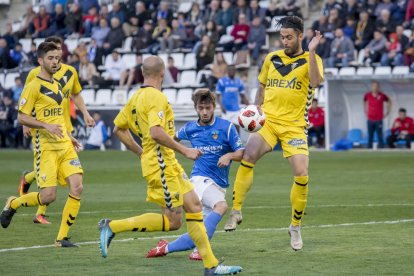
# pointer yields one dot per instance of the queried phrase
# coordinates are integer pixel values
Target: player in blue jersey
(220, 143)
(230, 90)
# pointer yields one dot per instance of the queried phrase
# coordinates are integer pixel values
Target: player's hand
(224, 161)
(192, 154)
(26, 132)
(76, 144)
(90, 122)
(55, 130)
(315, 41)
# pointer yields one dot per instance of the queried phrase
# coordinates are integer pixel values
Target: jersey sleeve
(182, 133)
(156, 109)
(265, 69)
(28, 99)
(320, 66)
(32, 74)
(219, 87)
(234, 139)
(76, 88)
(121, 120)
(386, 98)
(366, 97)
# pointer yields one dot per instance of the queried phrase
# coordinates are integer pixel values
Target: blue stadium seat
(355, 136)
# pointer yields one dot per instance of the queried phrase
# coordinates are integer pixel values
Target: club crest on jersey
(161, 114)
(215, 134)
(177, 196)
(75, 162)
(296, 142)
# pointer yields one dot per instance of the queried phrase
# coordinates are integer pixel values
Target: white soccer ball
(251, 118)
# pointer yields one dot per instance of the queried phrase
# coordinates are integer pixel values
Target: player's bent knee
(175, 221)
(75, 184)
(221, 208)
(47, 195)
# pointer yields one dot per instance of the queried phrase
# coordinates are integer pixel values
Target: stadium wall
(344, 108)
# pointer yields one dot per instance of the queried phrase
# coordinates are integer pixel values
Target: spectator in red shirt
(173, 70)
(41, 22)
(240, 33)
(402, 129)
(374, 110)
(316, 129)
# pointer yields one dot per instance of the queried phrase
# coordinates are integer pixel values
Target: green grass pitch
(359, 220)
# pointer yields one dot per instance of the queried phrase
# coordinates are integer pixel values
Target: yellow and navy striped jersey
(287, 87)
(43, 99)
(149, 107)
(68, 79)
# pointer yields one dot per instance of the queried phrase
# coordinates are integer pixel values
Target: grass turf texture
(345, 187)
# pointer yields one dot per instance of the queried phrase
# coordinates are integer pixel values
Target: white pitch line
(247, 207)
(221, 231)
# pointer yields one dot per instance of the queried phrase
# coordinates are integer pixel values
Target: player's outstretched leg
(149, 222)
(25, 182)
(298, 199)
(184, 242)
(105, 236)
(13, 203)
(242, 184)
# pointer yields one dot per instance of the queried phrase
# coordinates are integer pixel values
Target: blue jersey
(230, 90)
(214, 141)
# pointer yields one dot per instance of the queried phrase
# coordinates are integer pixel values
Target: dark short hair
(402, 109)
(204, 95)
(54, 39)
(291, 22)
(314, 100)
(45, 47)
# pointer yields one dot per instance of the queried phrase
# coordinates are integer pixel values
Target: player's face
(291, 40)
(50, 62)
(205, 112)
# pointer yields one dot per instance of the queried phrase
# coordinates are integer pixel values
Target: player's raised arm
(315, 77)
(125, 136)
(260, 95)
(79, 102)
(161, 137)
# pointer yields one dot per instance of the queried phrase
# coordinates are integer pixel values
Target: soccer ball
(251, 118)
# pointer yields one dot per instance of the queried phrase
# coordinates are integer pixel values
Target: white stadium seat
(188, 78)
(347, 71)
(200, 74)
(37, 41)
(127, 45)
(103, 97)
(130, 60)
(9, 80)
(401, 70)
(185, 7)
(171, 95)
(190, 61)
(88, 96)
(228, 57)
(71, 43)
(119, 97)
(131, 92)
(2, 79)
(365, 71)
(383, 70)
(26, 44)
(184, 96)
(331, 71)
(164, 58)
(178, 60)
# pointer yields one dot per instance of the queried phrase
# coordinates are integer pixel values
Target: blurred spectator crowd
(366, 33)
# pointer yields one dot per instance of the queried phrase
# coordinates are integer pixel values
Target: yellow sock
(30, 177)
(298, 198)
(244, 180)
(70, 211)
(198, 233)
(41, 210)
(149, 222)
(27, 200)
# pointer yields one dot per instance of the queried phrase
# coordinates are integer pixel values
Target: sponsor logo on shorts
(215, 134)
(296, 142)
(75, 162)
